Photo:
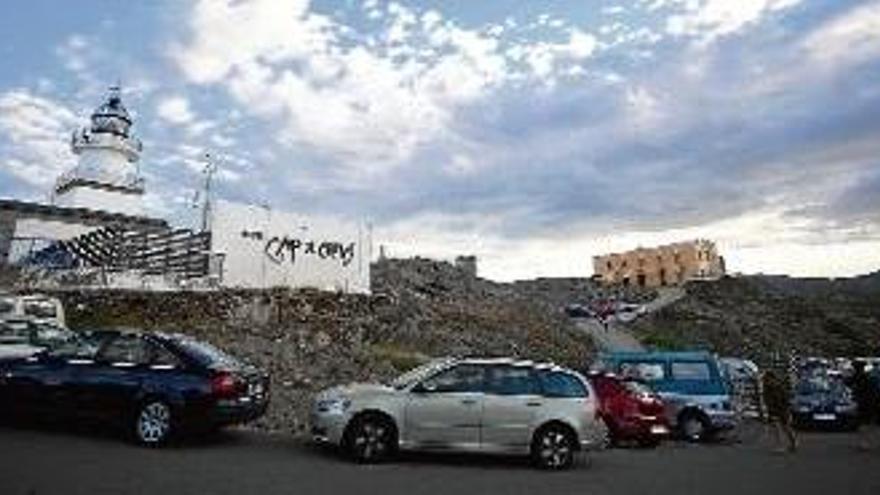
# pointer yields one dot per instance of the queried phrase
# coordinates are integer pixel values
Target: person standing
(775, 393)
(865, 394)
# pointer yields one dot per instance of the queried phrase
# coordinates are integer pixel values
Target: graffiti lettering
(252, 234)
(281, 249)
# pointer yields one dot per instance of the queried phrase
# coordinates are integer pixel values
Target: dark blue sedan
(154, 385)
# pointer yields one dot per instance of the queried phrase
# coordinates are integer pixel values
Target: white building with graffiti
(95, 231)
(261, 247)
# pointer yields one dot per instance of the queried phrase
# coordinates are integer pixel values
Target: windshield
(50, 336)
(416, 374)
(74, 348)
(820, 386)
(206, 354)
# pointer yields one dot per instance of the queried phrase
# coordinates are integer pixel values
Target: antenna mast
(210, 168)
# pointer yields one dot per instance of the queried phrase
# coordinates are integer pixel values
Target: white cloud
(32, 129)
(849, 38)
(176, 110)
(370, 105)
(708, 20)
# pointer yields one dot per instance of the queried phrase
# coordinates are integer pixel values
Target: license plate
(824, 417)
(659, 430)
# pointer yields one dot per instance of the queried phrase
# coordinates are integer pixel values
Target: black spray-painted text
(281, 249)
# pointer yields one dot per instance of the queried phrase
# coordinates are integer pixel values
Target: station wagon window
(126, 349)
(647, 371)
(682, 370)
(561, 385)
(512, 380)
(461, 378)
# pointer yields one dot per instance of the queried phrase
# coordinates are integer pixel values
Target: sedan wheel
(153, 423)
(371, 440)
(553, 449)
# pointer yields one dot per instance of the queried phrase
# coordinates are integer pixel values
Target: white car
(472, 405)
(35, 307)
(20, 338)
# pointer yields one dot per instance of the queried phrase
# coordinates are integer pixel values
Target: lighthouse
(106, 177)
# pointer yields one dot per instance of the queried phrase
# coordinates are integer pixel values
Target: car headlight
(337, 405)
(845, 407)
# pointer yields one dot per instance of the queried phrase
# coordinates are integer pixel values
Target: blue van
(691, 384)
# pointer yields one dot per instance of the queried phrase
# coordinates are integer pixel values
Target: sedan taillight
(225, 385)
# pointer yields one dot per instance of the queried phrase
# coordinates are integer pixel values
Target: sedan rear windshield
(206, 354)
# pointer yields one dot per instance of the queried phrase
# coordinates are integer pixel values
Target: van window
(647, 371)
(7, 305)
(682, 370)
(40, 309)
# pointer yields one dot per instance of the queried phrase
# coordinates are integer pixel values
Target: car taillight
(225, 385)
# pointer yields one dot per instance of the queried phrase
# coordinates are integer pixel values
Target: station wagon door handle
(468, 402)
(534, 404)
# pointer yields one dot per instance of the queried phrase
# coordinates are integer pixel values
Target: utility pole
(210, 168)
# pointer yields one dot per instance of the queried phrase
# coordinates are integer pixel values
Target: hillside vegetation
(757, 316)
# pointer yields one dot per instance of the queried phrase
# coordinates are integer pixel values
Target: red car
(630, 409)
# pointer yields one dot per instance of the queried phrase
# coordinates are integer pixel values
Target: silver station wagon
(493, 405)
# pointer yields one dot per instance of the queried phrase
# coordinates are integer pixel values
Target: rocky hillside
(309, 340)
(756, 316)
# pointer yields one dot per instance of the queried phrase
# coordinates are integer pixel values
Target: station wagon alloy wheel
(371, 440)
(554, 449)
(153, 423)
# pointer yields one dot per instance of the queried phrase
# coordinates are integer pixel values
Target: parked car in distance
(154, 385)
(36, 307)
(823, 400)
(630, 410)
(25, 337)
(696, 395)
(575, 310)
(464, 405)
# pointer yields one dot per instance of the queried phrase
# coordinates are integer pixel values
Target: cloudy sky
(534, 134)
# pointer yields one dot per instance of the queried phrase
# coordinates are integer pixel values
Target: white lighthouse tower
(106, 178)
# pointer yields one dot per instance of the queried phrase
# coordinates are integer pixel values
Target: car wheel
(553, 448)
(371, 439)
(153, 423)
(693, 427)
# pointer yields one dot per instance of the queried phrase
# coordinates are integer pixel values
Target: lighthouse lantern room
(106, 177)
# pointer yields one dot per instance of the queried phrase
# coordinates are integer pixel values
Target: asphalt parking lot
(53, 460)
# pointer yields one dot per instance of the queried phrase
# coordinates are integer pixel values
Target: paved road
(613, 338)
(617, 337)
(39, 461)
